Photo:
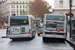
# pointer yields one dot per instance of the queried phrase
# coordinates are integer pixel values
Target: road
(34, 44)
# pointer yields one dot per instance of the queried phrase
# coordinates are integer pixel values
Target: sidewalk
(70, 40)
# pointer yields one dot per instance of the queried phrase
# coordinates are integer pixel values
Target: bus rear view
(54, 26)
(22, 26)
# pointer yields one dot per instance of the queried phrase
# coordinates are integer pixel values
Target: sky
(51, 2)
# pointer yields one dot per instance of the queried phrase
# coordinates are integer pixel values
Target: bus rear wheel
(44, 39)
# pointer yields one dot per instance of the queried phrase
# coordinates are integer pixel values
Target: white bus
(55, 26)
(21, 27)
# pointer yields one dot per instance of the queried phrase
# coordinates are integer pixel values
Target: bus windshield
(50, 17)
(19, 21)
(38, 22)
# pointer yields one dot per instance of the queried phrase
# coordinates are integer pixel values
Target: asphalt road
(34, 44)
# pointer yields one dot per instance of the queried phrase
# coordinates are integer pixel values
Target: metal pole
(70, 16)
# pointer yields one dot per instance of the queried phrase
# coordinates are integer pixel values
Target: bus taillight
(29, 31)
(61, 30)
(9, 31)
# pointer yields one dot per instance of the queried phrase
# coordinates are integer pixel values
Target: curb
(71, 44)
(4, 37)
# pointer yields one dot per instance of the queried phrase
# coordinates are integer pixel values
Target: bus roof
(55, 14)
(22, 16)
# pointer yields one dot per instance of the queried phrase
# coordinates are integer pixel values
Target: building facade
(62, 7)
(3, 9)
(18, 7)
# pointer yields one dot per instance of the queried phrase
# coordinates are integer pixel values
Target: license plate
(55, 33)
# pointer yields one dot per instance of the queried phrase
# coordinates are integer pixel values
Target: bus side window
(32, 23)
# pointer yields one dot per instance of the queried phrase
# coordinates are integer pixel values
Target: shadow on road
(54, 41)
(22, 39)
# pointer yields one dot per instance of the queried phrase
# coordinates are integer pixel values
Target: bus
(22, 26)
(38, 21)
(55, 26)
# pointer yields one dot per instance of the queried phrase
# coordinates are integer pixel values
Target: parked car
(40, 29)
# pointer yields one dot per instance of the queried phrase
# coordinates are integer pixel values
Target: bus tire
(44, 39)
(34, 35)
(38, 34)
(63, 40)
(13, 39)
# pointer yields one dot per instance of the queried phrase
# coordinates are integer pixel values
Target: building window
(17, 2)
(17, 6)
(26, 9)
(13, 10)
(20, 1)
(23, 2)
(13, 6)
(23, 6)
(17, 10)
(26, 6)
(20, 6)
(20, 9)
(61, 3)
(26, 2)
(30, 2)
(12, 1)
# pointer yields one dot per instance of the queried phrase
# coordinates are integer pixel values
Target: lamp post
(70, 16)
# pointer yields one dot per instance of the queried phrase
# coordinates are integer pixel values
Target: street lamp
(70, 16)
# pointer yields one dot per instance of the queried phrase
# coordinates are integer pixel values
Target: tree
(38, 8)
(4, 19)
